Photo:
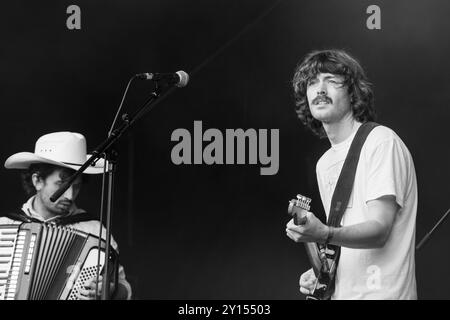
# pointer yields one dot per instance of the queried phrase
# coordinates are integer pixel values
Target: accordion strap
(76, 218)
(21, 216)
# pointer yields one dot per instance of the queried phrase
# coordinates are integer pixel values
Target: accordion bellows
(47, 262)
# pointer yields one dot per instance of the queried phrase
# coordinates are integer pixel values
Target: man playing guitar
(376, 235)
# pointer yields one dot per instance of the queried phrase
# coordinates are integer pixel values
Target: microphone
(179, 78)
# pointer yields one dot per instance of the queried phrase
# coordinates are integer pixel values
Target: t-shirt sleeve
(387, 171)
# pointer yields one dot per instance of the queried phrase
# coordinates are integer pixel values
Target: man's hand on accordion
(88, 293)
(312, 231)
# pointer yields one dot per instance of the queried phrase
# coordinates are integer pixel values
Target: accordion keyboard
(9, 261)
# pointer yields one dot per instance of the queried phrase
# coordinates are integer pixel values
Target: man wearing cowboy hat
(55, 158)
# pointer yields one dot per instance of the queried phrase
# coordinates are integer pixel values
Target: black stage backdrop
(218, 231)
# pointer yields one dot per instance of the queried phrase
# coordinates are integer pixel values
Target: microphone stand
(106, 147)
(427, 236)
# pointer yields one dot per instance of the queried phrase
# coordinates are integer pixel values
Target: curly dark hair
(340, 63)
(43, 170)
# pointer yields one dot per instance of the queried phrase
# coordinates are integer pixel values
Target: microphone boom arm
(110, 140)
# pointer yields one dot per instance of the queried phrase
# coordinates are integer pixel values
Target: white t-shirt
(385, 168)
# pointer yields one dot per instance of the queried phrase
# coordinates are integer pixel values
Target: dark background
(218, 232)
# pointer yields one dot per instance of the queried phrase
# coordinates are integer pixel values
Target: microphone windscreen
(184, 79)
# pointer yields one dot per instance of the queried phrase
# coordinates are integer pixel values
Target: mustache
(322, 98)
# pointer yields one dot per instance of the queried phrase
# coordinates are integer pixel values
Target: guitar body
(319, 256)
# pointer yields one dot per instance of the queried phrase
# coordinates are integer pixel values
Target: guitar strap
(344, 185)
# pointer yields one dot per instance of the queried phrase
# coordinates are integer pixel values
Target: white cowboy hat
(64, 149)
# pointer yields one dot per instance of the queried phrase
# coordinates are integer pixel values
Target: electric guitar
(320, 257)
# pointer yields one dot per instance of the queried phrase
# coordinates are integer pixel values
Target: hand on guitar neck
(305, 226)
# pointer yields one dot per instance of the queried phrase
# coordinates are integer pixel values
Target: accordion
(46, 262)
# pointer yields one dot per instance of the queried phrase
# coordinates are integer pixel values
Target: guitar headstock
(298, 207)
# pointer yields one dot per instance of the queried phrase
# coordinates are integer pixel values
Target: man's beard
(62, 208)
